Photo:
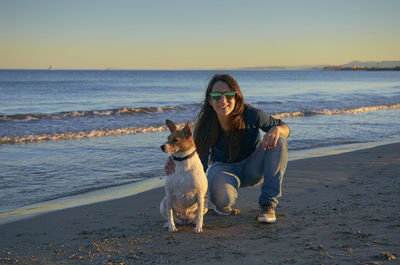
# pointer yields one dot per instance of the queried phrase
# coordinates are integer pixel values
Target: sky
(206, 34)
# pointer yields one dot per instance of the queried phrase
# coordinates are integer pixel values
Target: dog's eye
(175, 140)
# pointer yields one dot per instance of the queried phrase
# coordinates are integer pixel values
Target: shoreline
(141, 186)
(97, 196)
(326, 216)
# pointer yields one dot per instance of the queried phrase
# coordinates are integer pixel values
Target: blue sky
(195, 34)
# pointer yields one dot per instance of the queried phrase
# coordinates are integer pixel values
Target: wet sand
(339, 209)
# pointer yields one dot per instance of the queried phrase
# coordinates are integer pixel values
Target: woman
(227, 138)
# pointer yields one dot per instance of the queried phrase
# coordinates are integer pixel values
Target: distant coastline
(362, 68)
(366, 66)
(353, 65)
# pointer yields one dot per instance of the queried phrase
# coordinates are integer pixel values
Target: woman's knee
(224, 196)
(223, 184)
(282, 143)
(279, 152)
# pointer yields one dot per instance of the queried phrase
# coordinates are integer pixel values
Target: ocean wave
(90, 113)
(305, 113)
(79, 135)
(159, 128)
(83, 134)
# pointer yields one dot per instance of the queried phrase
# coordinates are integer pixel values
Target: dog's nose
(163, 147)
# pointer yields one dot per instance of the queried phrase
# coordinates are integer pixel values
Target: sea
(73, 137)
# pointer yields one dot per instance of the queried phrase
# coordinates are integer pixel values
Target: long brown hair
(207, 125)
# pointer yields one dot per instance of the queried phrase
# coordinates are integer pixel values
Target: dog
(185, 189)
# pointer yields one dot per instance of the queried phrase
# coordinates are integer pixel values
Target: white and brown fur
(186, 188)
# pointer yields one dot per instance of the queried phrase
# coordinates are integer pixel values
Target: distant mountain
(380, 64)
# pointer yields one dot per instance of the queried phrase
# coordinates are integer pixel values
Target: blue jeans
(262, 166)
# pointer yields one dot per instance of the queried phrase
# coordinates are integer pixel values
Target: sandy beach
(339, 209)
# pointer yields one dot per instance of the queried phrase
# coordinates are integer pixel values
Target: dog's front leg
(170, 216)
(200, 214)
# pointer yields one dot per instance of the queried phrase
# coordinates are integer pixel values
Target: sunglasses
(217, 96)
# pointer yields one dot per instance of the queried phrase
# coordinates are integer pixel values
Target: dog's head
(178, 140)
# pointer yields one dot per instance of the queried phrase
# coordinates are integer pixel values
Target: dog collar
(184, 158)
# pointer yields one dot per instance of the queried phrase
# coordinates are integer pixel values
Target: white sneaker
(267, 214)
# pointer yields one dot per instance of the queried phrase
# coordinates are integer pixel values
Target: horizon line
(270, 67)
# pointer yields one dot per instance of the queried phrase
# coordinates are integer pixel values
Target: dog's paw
(198, 229)
(235, 211)
(172, 229)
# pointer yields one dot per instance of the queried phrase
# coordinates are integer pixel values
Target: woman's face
(223, 107)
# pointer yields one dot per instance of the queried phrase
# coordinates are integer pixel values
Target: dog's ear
(187, 130)
(171, 125)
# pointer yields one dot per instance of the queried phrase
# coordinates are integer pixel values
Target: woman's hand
(169, 167)
(271, 138)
